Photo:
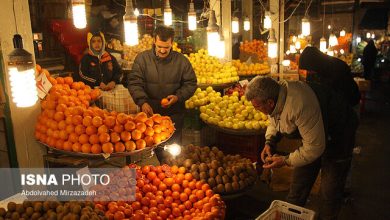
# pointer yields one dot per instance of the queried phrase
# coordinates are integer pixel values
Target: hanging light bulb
(173, 149)
(293, 49)
(294, 39)
(342, 51)
(192, 17)
(247, 24)
(267, 20)
(323, 44)
(136, 12)
(21, 73)
(167, 14)
(329, 27)
(272, 45)
(298, 45)
(288, 52)
(221, 47)
(235, 25)
(212, 34)
(330, 53)
(79, 15)
(130, 25)
(373, 36)
(305, 27)
(342, 33)
(333, 40)
(368, 35)
(358, 39)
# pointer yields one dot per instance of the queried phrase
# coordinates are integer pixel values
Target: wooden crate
(248, 146)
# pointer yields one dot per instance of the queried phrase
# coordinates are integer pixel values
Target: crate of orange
(164, 192)
(69, 124)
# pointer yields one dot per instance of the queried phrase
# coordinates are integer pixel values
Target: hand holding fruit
(147, 109)
(103, 86)
(170, 100)
(266, 152)
(274, 162)
(110, 85)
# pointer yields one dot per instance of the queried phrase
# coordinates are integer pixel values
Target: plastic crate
(280, 210)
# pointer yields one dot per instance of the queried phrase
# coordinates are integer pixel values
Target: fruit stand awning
(374, 19)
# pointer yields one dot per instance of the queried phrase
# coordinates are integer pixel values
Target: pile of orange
(255, 47)
(164, 192)
(69, 123)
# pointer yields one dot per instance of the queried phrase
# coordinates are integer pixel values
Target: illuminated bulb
(333, 40)
(294, 39)
(167, 14)
(21, 73)
(330, 53)
(212, 35)
(305, 27)
(286, 63)
(293, 49)
(272, 46)
(373, 36)
(247, 24)
(191, 18)
(329, 27)
(288, 52)
(235, 25)
(342, 33)
(358, 39)
(267, 20)
(342, 51)
(335, 52)
(173, 149)
(221, 49)
(79, 15)
(130, 25)
(298, 45)
(323, 44)
(368, 35)
(136, 12)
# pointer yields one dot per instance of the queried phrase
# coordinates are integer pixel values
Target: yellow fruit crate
(285, 211)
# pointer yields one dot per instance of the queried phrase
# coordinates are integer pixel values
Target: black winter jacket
(153, 78)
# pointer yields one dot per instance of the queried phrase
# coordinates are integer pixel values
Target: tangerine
(108, 148)
(115, 137)
(104, 138)
(141, 144)
(97, 121)
(136, 135)
(130, 146)
(129, 126)
(125, 136)
(119, 147)
(86, 148)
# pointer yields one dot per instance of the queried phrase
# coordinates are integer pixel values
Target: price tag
(43, 85)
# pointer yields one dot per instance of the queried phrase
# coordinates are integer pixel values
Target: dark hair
(164, 33)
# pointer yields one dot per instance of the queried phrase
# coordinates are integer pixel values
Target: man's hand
(274, 162)
(103, 86)
(110, 85)
(172, 99)
(266, 152)
(147, 109)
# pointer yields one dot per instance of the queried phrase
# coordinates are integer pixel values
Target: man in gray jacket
(325, 124)
(162, 73)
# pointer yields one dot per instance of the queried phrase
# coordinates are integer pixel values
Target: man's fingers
(268, 166)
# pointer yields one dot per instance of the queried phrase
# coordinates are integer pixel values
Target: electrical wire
(13, 8)
(307, 9)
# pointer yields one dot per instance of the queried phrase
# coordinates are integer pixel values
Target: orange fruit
(164, 102)
(130, 146)
(157, 129)
(69, 129)
(79, 129)
(141, 144)
(63, 135)
(86, 148)
(149, 122)
(89, 113)
(149, 141)
(129, 126)
(62, 125)
(121, 118)
(76, 147)
(118, 128)
(59, 144)
(73, 137)
(60, 80)
(136, 135)
(119, 147)
(141, 117)
(110, 121)
(97, 121)
(90, 130)
(78, 110)
(87, 121)
(141, 127)
(83, 139)
(56, 134)
(94, 139)
(77, 120)
(125, 136)
(61, 108)
(68, 146)
(104, 138)
(102, 129)
(149, 131)
(157, 138)
(59, 116)
(115, 137)
(68, 80)
(96, 149)
(107, 148)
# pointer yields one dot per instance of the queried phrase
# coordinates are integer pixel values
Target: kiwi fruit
(38, 207)
(2, 212)
(84, 217)
(242, 176)
(195, 175)
(242, 184)
(46, 206)
(229, 172)
(187, 163)
(221, 171)
(8, 215)
(211, 181)
(76, 209)
(228, 187)
(221, 188)
(235, 186)
(15, 216)
(202, 167)
(35, 216)
(203, 175)
(194, 167)
(213, 173)
(225, 179)
(218, 179)
(11, 206)
(27, 204)
(29, 211)
(214, 164)
(52, 216)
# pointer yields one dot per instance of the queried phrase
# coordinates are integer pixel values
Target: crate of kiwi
(226, 174)
(51, 210)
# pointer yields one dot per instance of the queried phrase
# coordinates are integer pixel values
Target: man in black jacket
(98, 67)
(162, 73)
